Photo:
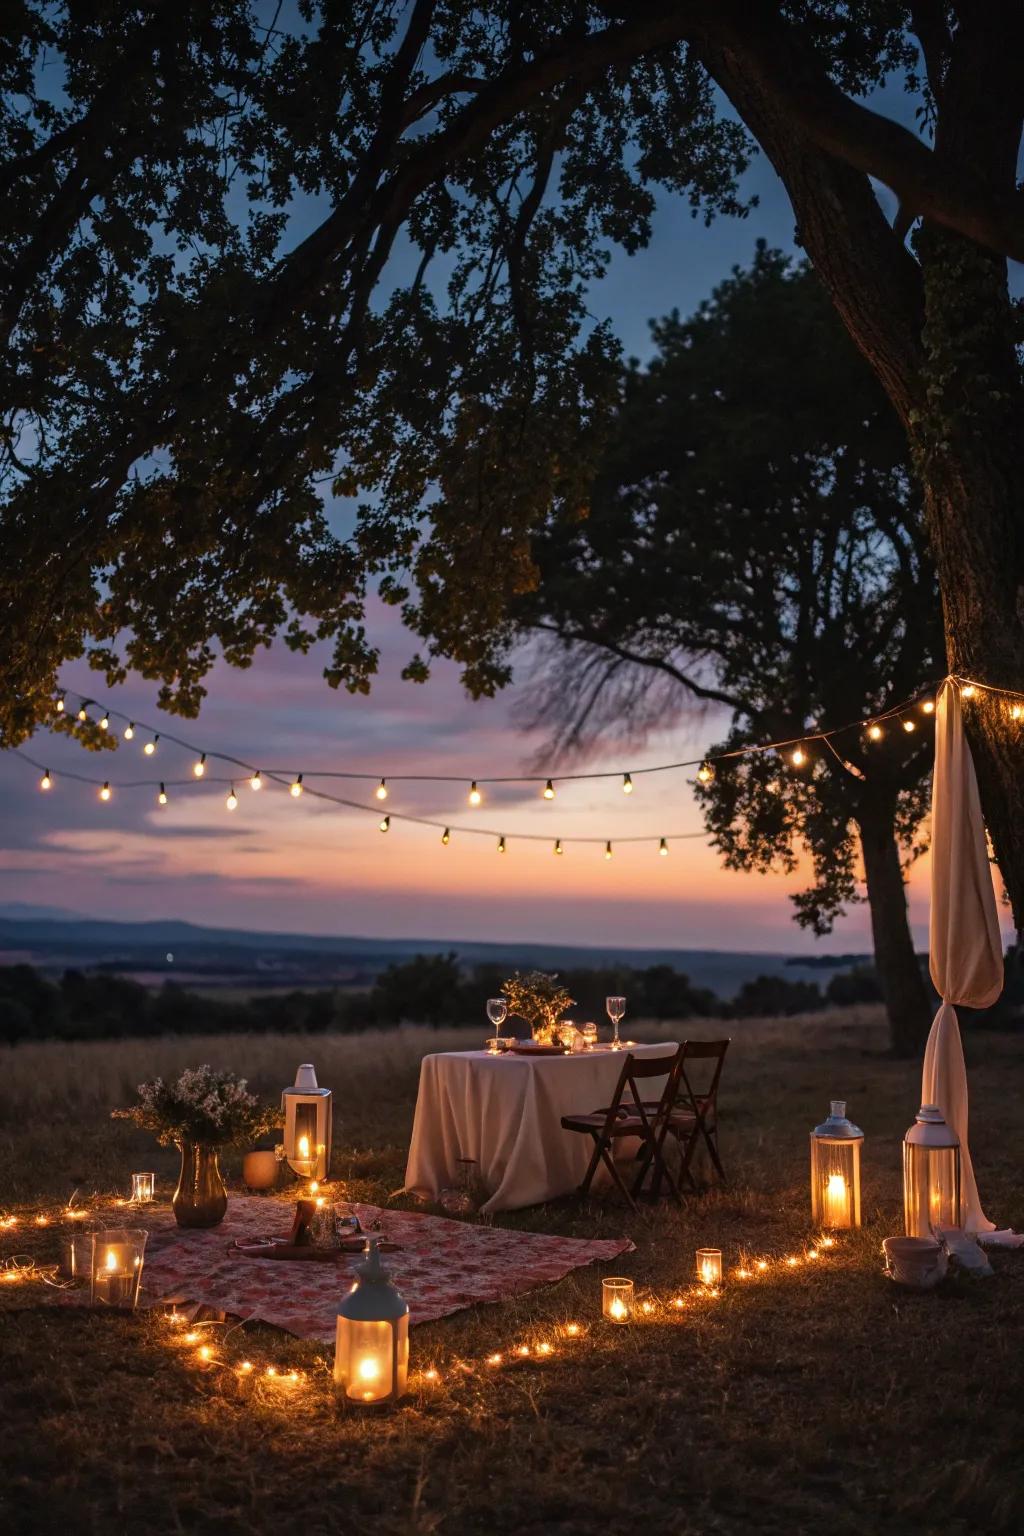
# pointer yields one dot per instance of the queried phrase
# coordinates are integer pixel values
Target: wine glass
(616, 1007)
(497, 1011)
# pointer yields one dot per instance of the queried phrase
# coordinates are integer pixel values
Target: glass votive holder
(709, 1266)
(617, 1299)
(492, 1046)
(76, 1259)
(115, 1267)
(143, 1188)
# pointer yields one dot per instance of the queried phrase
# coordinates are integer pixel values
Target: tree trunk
(899, 971)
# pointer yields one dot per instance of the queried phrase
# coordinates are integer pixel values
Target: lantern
(709, 1266)
(115, 1268)
(143, 1188)
(617, 1299)
(77, 1260)
(931, 1174)
(835, 1169)
(371, 1346)
(307, 1125)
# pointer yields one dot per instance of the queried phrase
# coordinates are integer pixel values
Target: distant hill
(172, 949)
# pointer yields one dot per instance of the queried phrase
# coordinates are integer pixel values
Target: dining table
(503, 1112)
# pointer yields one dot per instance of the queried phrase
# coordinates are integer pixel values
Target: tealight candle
(709, 1265)
(143, 1188)
(115, 1267)
(617, 1299)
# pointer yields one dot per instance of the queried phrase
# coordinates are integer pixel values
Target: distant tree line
(428, 989)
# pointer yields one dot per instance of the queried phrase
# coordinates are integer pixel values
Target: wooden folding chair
(693, 1117)
(632, 1116)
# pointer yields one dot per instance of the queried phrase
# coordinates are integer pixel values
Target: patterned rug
(440, 1266)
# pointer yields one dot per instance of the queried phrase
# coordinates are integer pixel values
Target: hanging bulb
(798, 758)
(83, 713)
(446, 837)
(385, 824)
(705, 773)
(59, 706)
(256, 782)
(150, 746)
(558, 845)
(501, 845)
(296, 789)
(232, 800)
(908, 726)
(968, 692)
(928, 707)
(475, 796)
(161, 798)
(663, 848)
(105, 792)
(104, 724)
(1016, 711)
(382, 790)
(875, 732)
(627, 784)
(129, 730)
(608, 850)
(46, 782)
(549, 790)
(199, 768)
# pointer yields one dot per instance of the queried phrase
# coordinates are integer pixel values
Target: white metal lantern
(931, 1174)
(835, 1169)
(371, 1347)
(307, 1125)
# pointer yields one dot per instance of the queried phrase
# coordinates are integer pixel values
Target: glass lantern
(77, 1256)
(835, 1170)
(371, 1347)
(143, 1188)
(617, 1299)
(709, 1266)
(115, 1267)
(307, 1125)
(931, 1175)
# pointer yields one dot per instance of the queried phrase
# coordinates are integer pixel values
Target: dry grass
(813, 1401)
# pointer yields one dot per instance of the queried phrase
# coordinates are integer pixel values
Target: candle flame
(368, 1369)
(111, 1259)
(617, 1307)
(303, 1146)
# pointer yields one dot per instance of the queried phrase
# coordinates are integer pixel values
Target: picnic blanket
(440, 1266)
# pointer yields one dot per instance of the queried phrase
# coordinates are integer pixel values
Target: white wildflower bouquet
(211, 1109)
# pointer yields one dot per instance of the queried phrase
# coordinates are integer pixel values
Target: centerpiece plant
(540, 999)
(200, 1112)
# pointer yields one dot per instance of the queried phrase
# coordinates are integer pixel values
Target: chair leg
(609, 1162)
(711, 1140)
(588, 1177)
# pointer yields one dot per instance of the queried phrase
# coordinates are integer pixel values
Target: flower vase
(200, 1199)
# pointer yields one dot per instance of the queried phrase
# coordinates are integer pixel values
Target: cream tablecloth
(505, 1112)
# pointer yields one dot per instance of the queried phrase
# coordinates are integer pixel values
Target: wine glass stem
(615, 1032)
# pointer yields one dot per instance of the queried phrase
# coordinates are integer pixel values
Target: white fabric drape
(965, 948)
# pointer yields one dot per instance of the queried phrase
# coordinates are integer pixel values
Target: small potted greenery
(541, 1000)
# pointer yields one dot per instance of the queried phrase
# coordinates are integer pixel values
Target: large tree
(182, 363)
(755, 541)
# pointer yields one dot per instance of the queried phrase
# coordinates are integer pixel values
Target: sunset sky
(276, 863)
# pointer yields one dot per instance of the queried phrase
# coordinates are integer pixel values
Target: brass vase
(200, 1199)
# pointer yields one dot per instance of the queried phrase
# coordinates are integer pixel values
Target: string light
(232, 800)
(627, 783)
(1016, 712)
(150, 746)
(799, 757)
(129, 730)
(875, 732)
(558, 845)
(446, 837)
(928, 707)
(385, 824)
(256, 782)
(104, 724)
(161, 798)
(60, 705)
(46, 782)
(663, 848)
(199, 767)
(608, 850)
(105, 791)
(501, 844)
(475, 796)
(296, 789)
(83, 713)
(382, 790)
(549, 790)
(909, 726)
(705, 773)
(968, 691)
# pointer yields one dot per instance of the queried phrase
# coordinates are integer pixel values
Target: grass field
(812, 1400)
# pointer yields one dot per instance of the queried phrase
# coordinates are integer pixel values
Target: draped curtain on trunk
(965, 949)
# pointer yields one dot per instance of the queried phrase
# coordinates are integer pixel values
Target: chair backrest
(634, 1070)
(698, 1091)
